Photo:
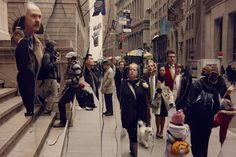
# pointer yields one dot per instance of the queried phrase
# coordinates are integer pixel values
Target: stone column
(4, 35)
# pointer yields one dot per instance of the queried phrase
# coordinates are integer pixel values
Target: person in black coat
(200, 115)
(89, 75)
(48, 76)
(134, 105)
(182, 96)
(25, 76)
(119, 76)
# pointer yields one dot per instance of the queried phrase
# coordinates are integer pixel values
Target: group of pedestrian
(161, 88)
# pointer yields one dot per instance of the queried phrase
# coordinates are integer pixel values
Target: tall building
(109, 21)
(159, 30)
(140, 25)
(220, 30)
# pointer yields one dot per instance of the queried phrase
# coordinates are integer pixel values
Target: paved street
(90, 127)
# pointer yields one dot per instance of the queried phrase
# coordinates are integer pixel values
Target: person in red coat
(170, 69)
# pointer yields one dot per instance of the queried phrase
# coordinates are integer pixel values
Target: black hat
(106, 62)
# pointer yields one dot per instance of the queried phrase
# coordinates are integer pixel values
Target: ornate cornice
(209, 4)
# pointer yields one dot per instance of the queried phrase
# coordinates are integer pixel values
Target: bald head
(32, 18)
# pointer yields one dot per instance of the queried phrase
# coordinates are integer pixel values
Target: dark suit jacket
(90, 77)
(25, 76)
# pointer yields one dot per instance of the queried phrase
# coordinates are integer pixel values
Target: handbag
(168, 97)
(156, 102)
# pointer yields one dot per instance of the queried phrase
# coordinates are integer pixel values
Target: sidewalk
(93, 135)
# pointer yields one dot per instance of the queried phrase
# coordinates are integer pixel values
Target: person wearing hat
(218, 82)
(72, 83)
(48, 75)
(177, 130)
(107, 88)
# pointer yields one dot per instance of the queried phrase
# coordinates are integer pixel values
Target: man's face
(33, 19)
(171, 58)
(90, 61)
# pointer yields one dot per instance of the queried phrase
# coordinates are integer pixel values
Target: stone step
(32, 141)
(55, 142)
(6, 93)
(10, 107)
(12, 130)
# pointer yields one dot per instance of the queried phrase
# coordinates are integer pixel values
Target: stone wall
(4, 35)
(61, 20)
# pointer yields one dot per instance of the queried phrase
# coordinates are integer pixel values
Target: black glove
(158, 90)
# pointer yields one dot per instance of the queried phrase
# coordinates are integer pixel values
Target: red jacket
(169, 80)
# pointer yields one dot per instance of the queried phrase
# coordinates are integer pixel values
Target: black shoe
(59, 125)
(27, 114)
(108, 114)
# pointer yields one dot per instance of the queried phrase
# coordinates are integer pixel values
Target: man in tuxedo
(170, 69)
(28, 57)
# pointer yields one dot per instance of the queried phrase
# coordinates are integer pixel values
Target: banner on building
(96, 33)
(99, 7)
(164, 26)
(127, 26)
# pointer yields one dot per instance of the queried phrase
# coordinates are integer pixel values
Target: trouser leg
(108, 101)
(68, 96)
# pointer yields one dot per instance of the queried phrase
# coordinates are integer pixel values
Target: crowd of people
(160, 88)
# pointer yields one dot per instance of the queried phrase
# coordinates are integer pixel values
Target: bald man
(29, 54)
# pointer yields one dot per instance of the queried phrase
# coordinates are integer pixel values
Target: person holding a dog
(177, 132)
(134, 104)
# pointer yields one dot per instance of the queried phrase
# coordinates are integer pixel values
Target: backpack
(203, 104)
(180, 148)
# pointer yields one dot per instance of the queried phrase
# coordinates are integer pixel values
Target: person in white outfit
(177, 131)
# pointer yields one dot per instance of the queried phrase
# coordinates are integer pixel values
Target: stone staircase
(22, 136)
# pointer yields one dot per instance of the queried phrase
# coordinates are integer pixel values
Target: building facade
(109, 21)
(62, 21)
(220, 34)
(139, 37)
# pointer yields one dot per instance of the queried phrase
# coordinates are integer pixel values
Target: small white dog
(144, 134)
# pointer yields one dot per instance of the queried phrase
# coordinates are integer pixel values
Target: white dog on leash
(144, 134)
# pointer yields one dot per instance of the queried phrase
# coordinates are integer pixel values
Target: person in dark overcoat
(134, 105)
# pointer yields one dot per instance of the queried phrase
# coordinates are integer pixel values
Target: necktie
(31, 46)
